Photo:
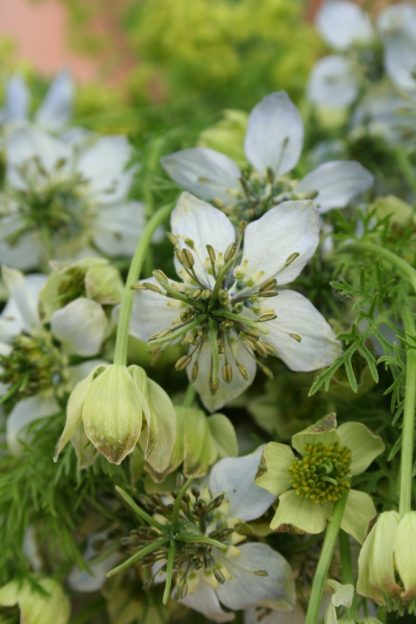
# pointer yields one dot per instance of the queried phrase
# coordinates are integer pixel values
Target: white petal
(274, 136)
(234, 476)
(296, 315)
(56, 109)
(103, 165)
(26, 253)
(17, 99)
(399, 17)
(269, 242)
(81, 580)
(237, 352)
(201, 224)
(22, 414)
(400, 59)
(81, 325)
(204, 600)
(333, 82)
(342, 23)
(22, 308)
(24, 143)
(118, 227)
(337, 183)
(152, 313)
(256, 616)
(204, 172)
(245, 588)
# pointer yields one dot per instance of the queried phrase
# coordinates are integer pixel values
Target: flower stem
(189, 397)
(404, 267)
(137, 556)
(406, 459)
(169, 571)
(321, 573)
(140, 513)
(346, 569)
(120, 351)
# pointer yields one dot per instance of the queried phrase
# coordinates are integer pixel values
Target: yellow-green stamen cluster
(323, 473)
(33, 365)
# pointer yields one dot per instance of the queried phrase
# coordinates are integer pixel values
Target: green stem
(200, 539)
(169, 571)
(404, 267)
(327, 551)
(189, 396)
(406, 459)
(177, 503)
(137, 556)
(346, 568)
(120, 351)
(141, 513)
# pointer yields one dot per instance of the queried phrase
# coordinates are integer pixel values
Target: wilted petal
(343, 23)
(204, 600)
(234, 477)
(333, 82)
(152, 313)
(243, 364)
(25, 412)
(103, 165)
(245, 588)
(204, 172)
(274, 137)
(17, 99)
(336, 183)
(81, 325)
(56, 109)
(295, 225)
(300, 335)
(118, 227)
(197, 224)
(359, 511)
(300, 513)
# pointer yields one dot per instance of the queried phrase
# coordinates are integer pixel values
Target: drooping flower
(308, 484)
(230, 310)
(213, 568)
(387, 566)
(66, 199)
(34, 368)
(273, 145)
(54, 112)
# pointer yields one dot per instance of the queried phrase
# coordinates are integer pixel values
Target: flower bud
(387, 566)
(49, 607)
(109, 404)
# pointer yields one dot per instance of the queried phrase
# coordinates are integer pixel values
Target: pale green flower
(50, 606)
(308, 484)
(387, 565)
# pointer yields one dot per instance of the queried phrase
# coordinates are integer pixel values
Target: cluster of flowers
(199, 523)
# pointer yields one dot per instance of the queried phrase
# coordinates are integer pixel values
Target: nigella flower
(273, 146)
(230, 309)
(214, 567)
(34, 367)
(308, 484)
(54, 112)
(66, 199)
(365, 51)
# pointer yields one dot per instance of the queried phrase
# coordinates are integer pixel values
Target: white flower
(33, 370)
(62, 197)
(252, 573)
(230, 309)
(273, 146)
(54, 112)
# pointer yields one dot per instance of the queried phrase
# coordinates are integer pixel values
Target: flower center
(33, 366)
(323, 473)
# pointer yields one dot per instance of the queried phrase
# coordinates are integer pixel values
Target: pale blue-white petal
(274, 138)
(56, 109)
(17, 99)
(94, 579)
(245, 588)
(333, 82)
(81, 326)
(204, 172)
(24, 413)
(22, 307)
(400, 59)
(300, 336)
(204, 600)
(280, 243)
(343, 23)
(118, 227)
(234, 477)
(397, 17)
(336, 183)
(26, 252)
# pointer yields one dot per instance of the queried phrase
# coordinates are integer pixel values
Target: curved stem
(404, 267)
(321, 573)
(137, 556)
(120, 351)
(169, 571)
(189, 397)
(406, 458)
